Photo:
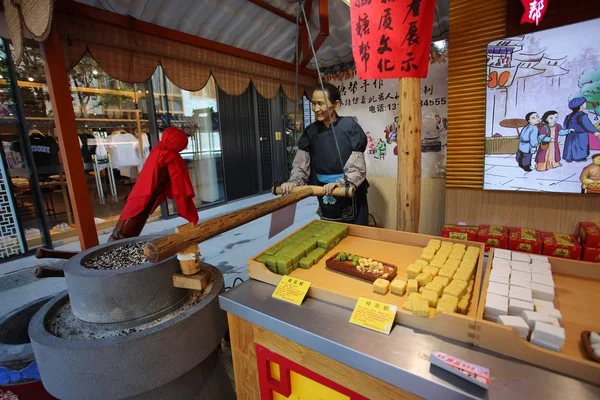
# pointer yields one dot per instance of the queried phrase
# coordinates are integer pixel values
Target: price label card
(374, 315)
(292, 290)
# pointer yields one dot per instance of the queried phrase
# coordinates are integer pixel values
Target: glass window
(196, 114)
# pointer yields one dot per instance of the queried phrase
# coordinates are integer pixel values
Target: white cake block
(517, 323)
(543, 279)
(541, 264)
(521, 276)
(541, 270)
(501, 272)
(542, 303)
(520, 293)
(542, 292)
(531, 317)
(524, 284)
(537, 257)
(517, 256)
(498, 288)
(516, 307)
(499, 262)
(520, 266)
(547, 335)
(495, 278)
(495, 306)
(551, 312)
(502, 253)
(594, 338)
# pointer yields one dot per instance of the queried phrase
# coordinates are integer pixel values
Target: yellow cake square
(420, 308)
(424, 278)
(446, 273)
(381, 286)
(427, 256)
(413, 270)
(412, 286)
(435, 286)
(444, 281)
(430, 296)
(463, 306)
(433, 271)
(398, 287)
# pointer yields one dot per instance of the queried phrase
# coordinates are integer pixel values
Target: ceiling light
(30, 79)
(95, 71)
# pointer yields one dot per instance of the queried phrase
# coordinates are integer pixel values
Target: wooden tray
(577, 295)
(587, 346)
(346, 268)
(398, 248)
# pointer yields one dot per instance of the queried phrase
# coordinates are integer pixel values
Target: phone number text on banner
(391, 38)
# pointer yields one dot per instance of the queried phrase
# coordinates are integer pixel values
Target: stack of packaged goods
(460, 232)
(525, 240)
(493, 236)
(561, 245)
(589, 235)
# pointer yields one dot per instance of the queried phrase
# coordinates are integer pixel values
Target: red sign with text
(534, 11)
(391, 38)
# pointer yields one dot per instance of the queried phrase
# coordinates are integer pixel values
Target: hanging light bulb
(1, 77)
(30, 79)
(95, 71)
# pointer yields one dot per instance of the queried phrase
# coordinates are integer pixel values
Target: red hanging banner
(534, 11)
(391, 38)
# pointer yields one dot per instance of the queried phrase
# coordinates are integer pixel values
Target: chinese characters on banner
(391, 38)
(534, 11)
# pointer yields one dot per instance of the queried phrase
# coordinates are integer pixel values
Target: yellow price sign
(291, 289)
(374, 315)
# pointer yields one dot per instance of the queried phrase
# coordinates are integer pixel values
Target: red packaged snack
(561, 245)
(493, 236)
(460, 232)
(591, 254)
(589, 234)
(526, 240)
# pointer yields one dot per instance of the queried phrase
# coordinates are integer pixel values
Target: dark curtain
(264, 132)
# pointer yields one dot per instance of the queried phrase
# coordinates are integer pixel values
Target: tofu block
(519, 293)
(423, 278)
(521, 276)
(463, 306)
(398, 287)
(542, 303)
(518, 256)
(430, 296)
(436, 287)
(495, 278)
(541, 270)
(495, 306)
(381, 286)
(420, 308)
(446, 273)
(549, 336)
(537, 257)
(500, 262)
(532, 317)
(520, 266)
(543, 279)
(502, 253)
(551, 312)
(541, 264)
(524, 284)
(444, 281)
(542, 292)
(412, 286)
(447, 304)
(516, 307)
(433, 271)
(413, 270)
(498, 288)
(517, 323)
(501, 272)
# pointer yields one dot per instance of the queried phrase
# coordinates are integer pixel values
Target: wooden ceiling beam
(304, 45)
(135, 25)
(272, 9)
(323, 32)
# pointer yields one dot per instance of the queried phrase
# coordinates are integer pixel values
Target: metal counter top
(400, 359)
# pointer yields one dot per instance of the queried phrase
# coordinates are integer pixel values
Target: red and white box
(561, 245)
(493, 236)
(525, 240)
(589, 234)
(591, 254)
(460, 232)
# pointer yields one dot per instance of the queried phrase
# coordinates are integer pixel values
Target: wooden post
(189, 258)
(66, 127)
(409, 154)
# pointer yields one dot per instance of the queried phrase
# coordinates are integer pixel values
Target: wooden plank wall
(474, 23)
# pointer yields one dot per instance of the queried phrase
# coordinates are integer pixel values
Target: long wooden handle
(318, 190)
(47, 253)
(167, 246)
(49, 272)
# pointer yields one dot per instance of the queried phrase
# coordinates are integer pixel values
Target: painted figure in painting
(590, 176)
(528, 141)
(577, 144)
(381, 148)
(548, 154)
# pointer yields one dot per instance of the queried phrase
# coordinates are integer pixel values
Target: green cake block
(270, 251)
(285, 270)
(324, 242)
(283, 262)
(317, 254)
(271, 263)
(262, 258)
(312, 244)
(305, 263)
(296, 265)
